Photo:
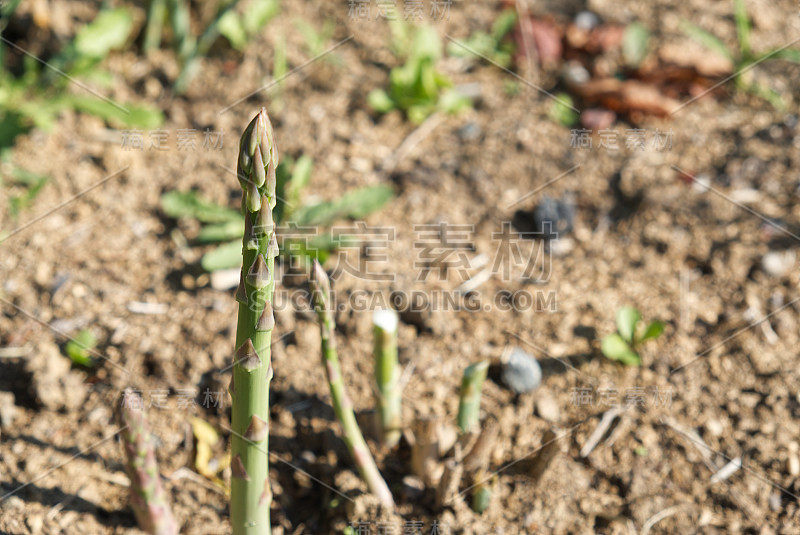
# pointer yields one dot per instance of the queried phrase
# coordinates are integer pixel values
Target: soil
(704, 256)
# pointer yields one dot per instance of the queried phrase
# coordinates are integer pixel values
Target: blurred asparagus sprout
(744, 59)
(37, 96)
(492, 45)
(416, 87)
(148, 499)
(622, 345)
(222, 224)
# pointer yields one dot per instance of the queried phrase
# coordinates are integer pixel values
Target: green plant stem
(156, 13)
(148, 498)
(252, 370)
(469, 407)
(387, 376)
(342, 405)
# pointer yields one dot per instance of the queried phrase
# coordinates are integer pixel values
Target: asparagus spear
(252, 371)
(387, 376)
(342, 406)
(148, 498)
(469, 407)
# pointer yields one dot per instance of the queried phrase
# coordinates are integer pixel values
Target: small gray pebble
(586, 20)
(521, 372)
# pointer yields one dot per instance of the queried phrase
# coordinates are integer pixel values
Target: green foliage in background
(238, 22)
(35, 97)
(622, 345)
(416, 87)
(226, 226)
(744, 59)
(492, 45)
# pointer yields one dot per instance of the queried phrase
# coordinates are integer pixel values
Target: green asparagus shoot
(252, 368)
(342, 405)
(387, 376)
(469, 407)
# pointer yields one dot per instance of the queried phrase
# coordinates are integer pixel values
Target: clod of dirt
(778, 263)
(547, 408)
(553, 218)
(54, 384)
(520, 371)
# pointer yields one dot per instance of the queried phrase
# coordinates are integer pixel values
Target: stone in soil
(521, 371)
(554, 218)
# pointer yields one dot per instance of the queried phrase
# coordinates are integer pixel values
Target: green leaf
(301, 175)
(355, 204)
(708, 40)
(225, 256)
(653, 331)
(427, 44)
(126, 115)
(379, 101)
(259, 12)
(109, 31)
(627, 318)
(79, 348)
(188, 204)
(231, 26)
(218, 232)
(742, 27)
(788, 54)
(561, 110)
(634, 44)
(503, 24)
(615, 348)
(453, 102)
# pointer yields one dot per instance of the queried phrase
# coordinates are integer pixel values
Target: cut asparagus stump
(148, 498)
(252, 370)
(387, 376)
(342, 406)
(469, 407)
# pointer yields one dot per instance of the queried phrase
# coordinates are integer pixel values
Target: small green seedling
(490, 45)
(745, 59)
(622, 346)
(416, 87)
(79, 348)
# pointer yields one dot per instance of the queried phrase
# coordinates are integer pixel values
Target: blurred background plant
(33, 90)
(417, 87)
(238, 22)
(492, 45)
(744, 59)
(223, 225)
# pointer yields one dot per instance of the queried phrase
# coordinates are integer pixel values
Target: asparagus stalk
(469, 407)
(342, 405)
(252, 370)
(148, 498)
(387, 376)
